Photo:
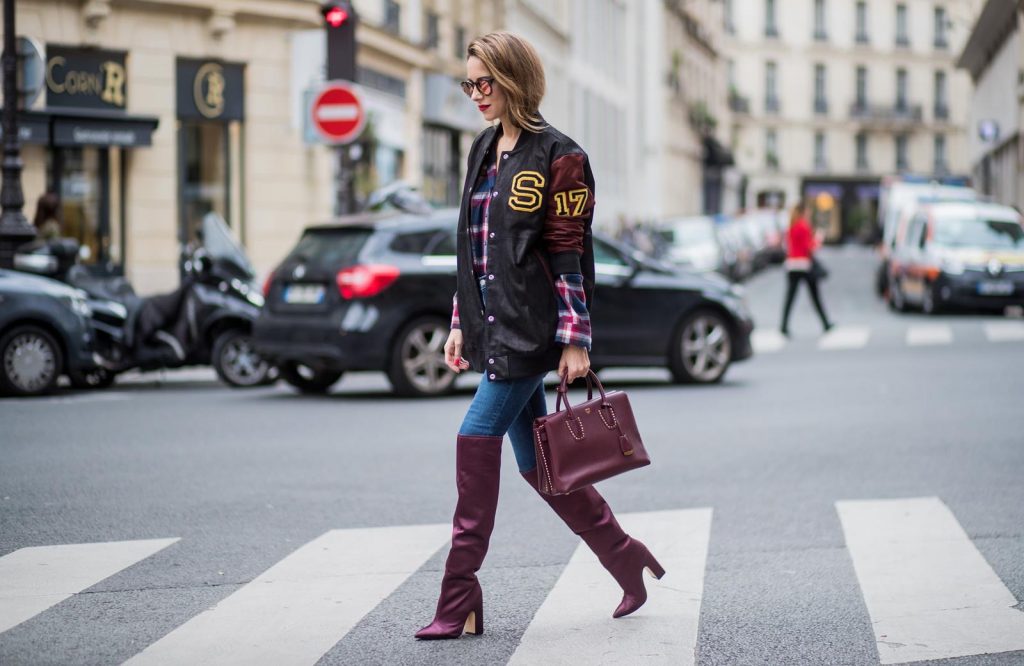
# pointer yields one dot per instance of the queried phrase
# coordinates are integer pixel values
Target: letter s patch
(527, 191)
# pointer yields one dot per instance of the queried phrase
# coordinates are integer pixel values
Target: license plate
(995, 288)
(304, 294)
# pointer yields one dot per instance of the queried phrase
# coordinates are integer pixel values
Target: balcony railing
(771, 30)
(820, 36)
(941, 43)
(821, 107)
(886, 115)
(771, 105)
(738, 103)
(862, 38)
(941, 112)
(902, 41)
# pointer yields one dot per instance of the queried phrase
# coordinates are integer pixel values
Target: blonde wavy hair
(516, 67)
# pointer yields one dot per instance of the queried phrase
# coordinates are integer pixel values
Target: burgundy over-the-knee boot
(460, 606)
(588, 515)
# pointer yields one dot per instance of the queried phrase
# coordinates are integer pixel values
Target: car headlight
(952, 266)
(78, 304)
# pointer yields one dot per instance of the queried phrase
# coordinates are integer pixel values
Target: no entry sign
(337, 113)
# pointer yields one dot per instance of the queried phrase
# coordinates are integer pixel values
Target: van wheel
(702, 348)
(308, 380)
(30, 361)
(417, 366)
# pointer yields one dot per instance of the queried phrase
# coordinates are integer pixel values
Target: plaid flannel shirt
(573, 318)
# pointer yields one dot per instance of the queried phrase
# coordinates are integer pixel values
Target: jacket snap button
(492, 234)
(490, 318)
(495, 192)
(491, 361)
(490, 277)
(492, 375)
(505, 156)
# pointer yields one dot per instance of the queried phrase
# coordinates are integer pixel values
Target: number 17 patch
(571, 203)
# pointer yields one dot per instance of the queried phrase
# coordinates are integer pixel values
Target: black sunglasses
(483, 84)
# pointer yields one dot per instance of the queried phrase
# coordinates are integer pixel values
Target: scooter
(206, 320)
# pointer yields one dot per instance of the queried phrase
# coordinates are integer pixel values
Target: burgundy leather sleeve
(570, 206)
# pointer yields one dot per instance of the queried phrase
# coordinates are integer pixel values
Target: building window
(771, 149)
(770, 27)
(820, 162)
(862, 87)
(820, 102)
(728, 24)
(820, 33)
(940, 28)
(902, 39)
(901, 152)
(901, 89)
(441, 165)
(771, 97)
(433, 32)
(940, 154)
(392, 16)
(941, 105)
(862, 22)
(862, 151)
(460, 43)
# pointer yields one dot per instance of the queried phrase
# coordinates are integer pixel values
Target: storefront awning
(80, 127)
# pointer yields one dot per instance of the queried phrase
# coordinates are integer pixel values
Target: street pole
(15, 229)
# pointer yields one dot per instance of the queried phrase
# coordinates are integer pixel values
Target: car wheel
(702, 349)
(97, 378)
(236, 361)
(308, 380)
(897, 301)
(417, 366)
(928, 303)
(30, 361)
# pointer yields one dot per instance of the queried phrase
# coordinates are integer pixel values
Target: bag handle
(563, 390)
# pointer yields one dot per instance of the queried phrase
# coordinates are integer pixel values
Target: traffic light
(340, 21)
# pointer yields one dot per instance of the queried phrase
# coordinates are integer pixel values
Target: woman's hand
(576, 361)
(453, 352)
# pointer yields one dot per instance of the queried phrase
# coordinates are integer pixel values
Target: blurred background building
(994, 57)
(830, 96)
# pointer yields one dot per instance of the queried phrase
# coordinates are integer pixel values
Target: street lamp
(15, 229)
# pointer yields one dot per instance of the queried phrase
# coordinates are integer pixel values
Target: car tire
(701, 348)
(929, 304)
(236, 361)
(306, 379)
(417, 366)
(31, 361)
(97, 378)
(897, 301)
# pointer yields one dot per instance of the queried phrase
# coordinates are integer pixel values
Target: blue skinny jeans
(503, 406)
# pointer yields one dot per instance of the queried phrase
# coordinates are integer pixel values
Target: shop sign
(85, 78)
(210, 90)
(33, 130)
(91, 132)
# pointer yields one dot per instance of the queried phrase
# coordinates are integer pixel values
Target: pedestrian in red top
(800, 265)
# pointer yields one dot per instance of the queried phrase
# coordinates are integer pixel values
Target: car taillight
(363, 281)
(266, 285)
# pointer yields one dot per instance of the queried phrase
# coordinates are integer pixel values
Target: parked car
(968, 254)
(737, 249)
(44, 333)
(770, 226)
(374, 292)
(899, 200)
(692, 243)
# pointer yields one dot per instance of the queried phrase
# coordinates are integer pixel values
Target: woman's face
(492, 106)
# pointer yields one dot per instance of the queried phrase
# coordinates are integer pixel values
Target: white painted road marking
(294, 612)
(929, 334)
(34, 579)
(767, 340)
(1005, 331)
(930, 593)
(845, 337)
(574, 624)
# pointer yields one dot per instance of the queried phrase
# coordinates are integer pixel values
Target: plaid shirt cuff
(455, 312)
(573, 318)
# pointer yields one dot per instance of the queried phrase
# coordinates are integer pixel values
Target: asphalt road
(790, 457)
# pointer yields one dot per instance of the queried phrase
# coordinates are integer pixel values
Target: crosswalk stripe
(34, 579)
(845, 337)
(574, 624)
(294, 612)
(929, 334)
(767, 341)
(930, 593)
(1004, 331)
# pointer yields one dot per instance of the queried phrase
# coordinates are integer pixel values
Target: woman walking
(525, 276)
(800, 265)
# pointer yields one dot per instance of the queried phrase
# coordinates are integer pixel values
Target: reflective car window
(330, 247)
(988, 234)
(412, 243)
(444, 244)
(605, 254)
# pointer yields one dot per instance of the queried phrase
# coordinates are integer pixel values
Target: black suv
(375, 293)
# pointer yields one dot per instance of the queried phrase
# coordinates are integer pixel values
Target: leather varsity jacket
(539, 227)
